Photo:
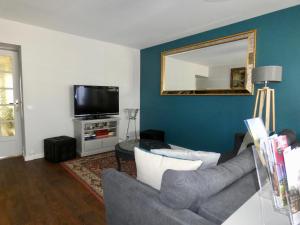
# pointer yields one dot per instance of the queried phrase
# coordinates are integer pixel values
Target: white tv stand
(96, 135)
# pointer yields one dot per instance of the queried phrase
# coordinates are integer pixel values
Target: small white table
(257, 211)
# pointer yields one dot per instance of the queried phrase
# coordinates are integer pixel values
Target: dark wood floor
(41, 193)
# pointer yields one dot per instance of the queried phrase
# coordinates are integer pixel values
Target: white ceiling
(232, 53)
(136, 23)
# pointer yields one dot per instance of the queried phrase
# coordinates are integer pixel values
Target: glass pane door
(7, 114)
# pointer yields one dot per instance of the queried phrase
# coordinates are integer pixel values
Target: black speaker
(153, 135)
(58, 149)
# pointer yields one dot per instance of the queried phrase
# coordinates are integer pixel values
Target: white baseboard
(33, 157)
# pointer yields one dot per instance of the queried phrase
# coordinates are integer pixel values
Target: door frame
(17, 49)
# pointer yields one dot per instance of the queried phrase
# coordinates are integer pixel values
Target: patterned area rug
(87, 170)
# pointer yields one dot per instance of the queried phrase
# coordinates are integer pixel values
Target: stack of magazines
(283, 166)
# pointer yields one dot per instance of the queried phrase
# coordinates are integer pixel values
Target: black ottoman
(58, 149)
(158, 135)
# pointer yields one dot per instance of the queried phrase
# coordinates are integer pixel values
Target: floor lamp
(265, 97)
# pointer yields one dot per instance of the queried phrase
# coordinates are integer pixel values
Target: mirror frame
(250, 64)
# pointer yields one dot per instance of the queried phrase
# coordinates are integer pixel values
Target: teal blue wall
(209, 122)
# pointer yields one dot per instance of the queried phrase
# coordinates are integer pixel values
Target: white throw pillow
(209, 159)
(151, 167)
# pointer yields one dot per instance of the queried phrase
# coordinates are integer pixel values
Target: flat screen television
(95, 100)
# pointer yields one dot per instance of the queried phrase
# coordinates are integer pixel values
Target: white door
(10, 108)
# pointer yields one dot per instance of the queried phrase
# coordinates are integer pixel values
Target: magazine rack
(262, 175)
(266, 187)
(278, 169)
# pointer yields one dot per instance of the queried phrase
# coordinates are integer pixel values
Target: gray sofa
(201, 197)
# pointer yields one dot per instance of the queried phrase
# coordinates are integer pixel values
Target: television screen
(96, 100)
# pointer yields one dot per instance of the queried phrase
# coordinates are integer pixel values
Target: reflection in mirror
(220, 68)
(207, 68)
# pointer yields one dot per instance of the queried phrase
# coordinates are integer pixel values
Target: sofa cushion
(220, 206)
(150, 167)
(291, 135)
(129, 202)
(186, 189)
(209, 159)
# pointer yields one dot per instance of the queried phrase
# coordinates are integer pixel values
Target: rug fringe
(82, 182)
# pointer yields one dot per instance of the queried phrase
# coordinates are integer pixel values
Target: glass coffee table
(125, 150)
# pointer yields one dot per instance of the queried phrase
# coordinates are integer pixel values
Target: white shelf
(104, 128)
(99, 137)
(98, 144)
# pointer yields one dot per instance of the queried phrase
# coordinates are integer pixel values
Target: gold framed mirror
(221, 66)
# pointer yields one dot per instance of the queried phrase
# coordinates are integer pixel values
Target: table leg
(118, 161)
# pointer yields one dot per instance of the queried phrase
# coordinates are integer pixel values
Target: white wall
(52, 62)
(180, 75)
(219, 77)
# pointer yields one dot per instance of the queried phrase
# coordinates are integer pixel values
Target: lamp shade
(267, 74)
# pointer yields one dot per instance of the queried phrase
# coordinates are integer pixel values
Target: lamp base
(265, 101)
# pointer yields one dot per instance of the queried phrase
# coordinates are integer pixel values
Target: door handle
(15, 103)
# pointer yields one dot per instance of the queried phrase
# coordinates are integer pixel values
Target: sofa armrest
(130, 202)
